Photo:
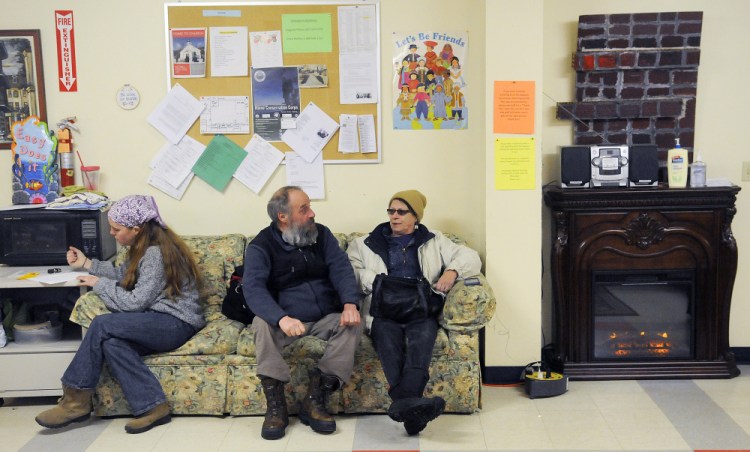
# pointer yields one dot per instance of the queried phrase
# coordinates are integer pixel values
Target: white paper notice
(225, 114)
(358, 54)
(262, 160)
(348, 140)
(366, 127)
(158, 182)
(175, 114)
(228, 51)
(314, 130)
(265, 49)
(176, 162)
(307, 175)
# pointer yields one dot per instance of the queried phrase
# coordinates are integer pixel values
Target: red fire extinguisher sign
(66, 52)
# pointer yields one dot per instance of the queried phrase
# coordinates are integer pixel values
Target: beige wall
(123, 42)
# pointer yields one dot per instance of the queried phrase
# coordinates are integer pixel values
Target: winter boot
(277, 415)
(314, 412)
(157, 415)
(73, 406)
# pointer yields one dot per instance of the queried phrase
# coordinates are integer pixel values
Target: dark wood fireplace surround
(606, 229)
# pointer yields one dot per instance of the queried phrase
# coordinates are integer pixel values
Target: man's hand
(291, 326)
(350, 315)
(446, 281)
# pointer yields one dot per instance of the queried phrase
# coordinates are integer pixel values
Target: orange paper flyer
(514, 107)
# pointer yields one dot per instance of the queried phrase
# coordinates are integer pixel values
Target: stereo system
(609, 166)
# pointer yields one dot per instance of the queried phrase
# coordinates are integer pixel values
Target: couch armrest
(468, 308)
(88, 306)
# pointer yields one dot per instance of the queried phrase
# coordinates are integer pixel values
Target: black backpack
(234, 306)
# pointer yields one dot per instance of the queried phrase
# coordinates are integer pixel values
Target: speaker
(644, 165)
(575, 166)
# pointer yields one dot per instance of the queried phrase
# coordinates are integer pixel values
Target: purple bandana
(134, 210)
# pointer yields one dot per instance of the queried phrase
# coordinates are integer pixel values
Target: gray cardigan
(148, 293)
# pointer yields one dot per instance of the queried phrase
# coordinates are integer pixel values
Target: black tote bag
(403, 299)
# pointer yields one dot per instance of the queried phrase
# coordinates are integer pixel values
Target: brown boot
(277, 415)
(314, 412)
(73, 406)
(157, 415)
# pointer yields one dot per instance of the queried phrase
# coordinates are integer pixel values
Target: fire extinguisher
(65, 150)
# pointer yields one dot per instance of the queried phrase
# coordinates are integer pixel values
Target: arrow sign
(66, 51)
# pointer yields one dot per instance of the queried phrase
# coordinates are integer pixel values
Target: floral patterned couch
(215, 372)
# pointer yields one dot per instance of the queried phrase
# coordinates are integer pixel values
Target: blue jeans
(120, 339)
(405, 351)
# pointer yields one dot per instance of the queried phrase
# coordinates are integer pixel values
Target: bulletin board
(258, 16)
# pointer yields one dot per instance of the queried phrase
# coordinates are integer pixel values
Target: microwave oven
(42, 236)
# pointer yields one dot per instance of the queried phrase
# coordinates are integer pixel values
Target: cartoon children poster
(429, 80)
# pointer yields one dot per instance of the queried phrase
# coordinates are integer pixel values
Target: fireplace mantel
(642, 229)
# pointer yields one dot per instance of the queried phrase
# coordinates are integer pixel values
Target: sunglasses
(401, 212)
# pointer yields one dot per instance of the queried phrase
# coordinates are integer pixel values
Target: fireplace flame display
(643, 343)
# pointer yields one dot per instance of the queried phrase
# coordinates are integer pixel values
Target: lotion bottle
(698, 172)
(677, 166)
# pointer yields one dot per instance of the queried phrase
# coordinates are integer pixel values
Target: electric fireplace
(642, 281)
(642, 315)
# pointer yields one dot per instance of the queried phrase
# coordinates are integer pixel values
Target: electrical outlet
(745, 171)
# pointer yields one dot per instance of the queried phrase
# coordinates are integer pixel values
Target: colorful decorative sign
(36, 175)
(66, 51)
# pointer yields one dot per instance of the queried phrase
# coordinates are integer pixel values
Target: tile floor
(666, 415)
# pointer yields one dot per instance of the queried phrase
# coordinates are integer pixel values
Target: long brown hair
(177, 258)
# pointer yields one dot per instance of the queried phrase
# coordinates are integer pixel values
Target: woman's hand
(76, 258)
(446, 281)
(88, 280)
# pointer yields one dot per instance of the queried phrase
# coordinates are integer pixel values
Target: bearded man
(299, 282)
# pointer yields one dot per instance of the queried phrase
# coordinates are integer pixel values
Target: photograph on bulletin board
(429, 80)
(298, 54)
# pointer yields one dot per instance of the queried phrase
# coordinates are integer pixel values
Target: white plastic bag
(3, 339)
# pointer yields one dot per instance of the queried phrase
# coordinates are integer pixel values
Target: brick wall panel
(645, 30)
(673, 41)
(645, 42)
(619, 18)
(658, 92)
(658, 76)
(647, 59)
(640, 138)
(620, 31)
(636, 78)
(645, 17)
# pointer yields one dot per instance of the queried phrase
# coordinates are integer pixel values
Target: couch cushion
(216, 257)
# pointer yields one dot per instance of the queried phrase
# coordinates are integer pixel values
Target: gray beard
(300, 234)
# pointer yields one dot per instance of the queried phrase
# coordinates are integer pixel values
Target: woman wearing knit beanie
(404, 248)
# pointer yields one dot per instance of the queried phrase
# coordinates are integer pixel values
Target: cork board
(266, 17)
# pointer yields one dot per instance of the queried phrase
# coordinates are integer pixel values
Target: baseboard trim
(741, 354)
(502, 375)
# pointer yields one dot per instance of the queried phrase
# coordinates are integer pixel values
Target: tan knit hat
(414, 199)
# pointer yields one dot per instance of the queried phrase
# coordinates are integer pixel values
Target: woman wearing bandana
(154, 302)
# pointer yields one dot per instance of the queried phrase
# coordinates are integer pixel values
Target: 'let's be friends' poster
(429, 83)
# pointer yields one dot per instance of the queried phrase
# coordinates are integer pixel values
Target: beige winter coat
(435, 256)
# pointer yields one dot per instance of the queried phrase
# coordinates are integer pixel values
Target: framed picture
(21, 80)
